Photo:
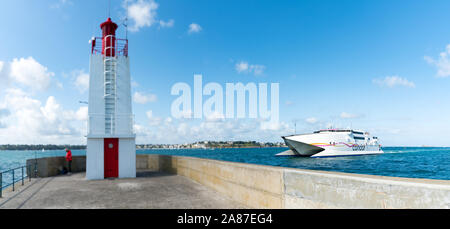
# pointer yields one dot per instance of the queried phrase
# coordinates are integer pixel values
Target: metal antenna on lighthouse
(109, 8)
(125, 24)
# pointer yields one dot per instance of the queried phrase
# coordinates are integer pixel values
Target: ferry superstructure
(332, 143)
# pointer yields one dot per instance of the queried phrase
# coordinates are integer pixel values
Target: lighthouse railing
(120, 46)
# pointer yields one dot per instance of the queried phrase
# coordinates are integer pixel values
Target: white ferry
(331, 143)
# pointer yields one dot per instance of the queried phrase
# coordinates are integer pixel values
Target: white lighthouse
(111, 146)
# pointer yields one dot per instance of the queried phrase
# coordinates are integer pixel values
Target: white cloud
(134, 83)
(144, 98)
(60, 4)
(273, 126)
(245, 67)
(82, 114)
(242, 67)
(3, 114)
(393, 81)
(289, 102)
(59, 84)
(167, 24)
(51, 108)
(31, 122)
(3, 73)
(142, 13)
(139, 129)
(215, 117)
(153, 121)
(346, 115)
(257, 69)
(442, 64)
(81, 80)
(311, 120)
(28, 72)
(194, 28)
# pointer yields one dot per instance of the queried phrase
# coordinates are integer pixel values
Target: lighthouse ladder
(110, 92)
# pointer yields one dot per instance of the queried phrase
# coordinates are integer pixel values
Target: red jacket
(69, 156)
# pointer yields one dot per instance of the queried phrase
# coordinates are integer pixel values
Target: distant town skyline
(192, 145)
(380, 66)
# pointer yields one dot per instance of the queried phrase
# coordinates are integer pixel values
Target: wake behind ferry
(331, 143)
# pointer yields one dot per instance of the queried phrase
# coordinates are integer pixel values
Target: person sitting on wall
(69, 160)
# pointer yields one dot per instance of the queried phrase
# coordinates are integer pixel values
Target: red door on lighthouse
(111, 149)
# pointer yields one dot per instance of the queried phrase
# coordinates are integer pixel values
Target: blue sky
(380, 66)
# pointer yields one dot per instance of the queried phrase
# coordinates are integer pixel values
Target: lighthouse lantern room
(111, 145)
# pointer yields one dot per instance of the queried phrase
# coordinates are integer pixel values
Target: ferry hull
(302, 149)
(335, 153)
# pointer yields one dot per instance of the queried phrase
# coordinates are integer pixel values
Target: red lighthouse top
(111, 46)
(108, 28)
(108, 37)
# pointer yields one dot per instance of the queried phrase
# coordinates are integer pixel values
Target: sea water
(411, 162)
(10, 159)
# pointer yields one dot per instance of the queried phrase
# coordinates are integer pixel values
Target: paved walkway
(148, 190)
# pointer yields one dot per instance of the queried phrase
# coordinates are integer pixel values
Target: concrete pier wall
(261, 186)
(51, 166)
(320, 189)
